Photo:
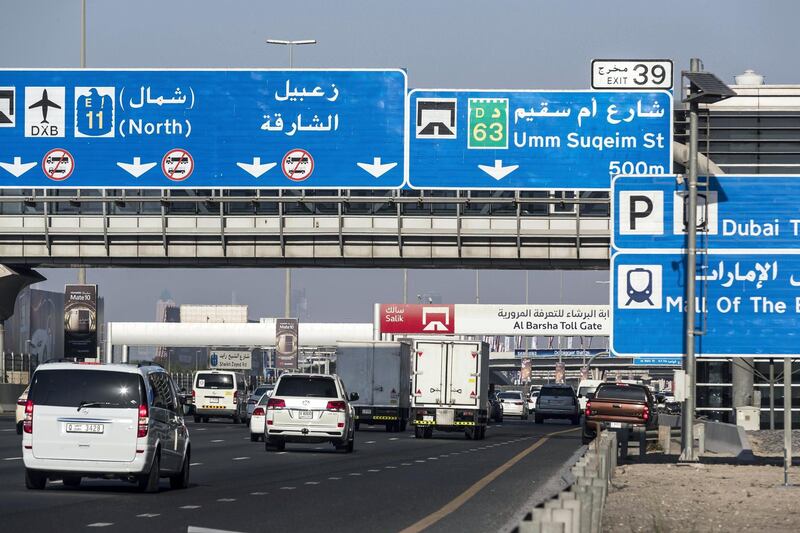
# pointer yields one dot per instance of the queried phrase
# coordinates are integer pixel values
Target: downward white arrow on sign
(498, 171)
(377, 169)
(17, 168)
(256, 169)
(137, 168)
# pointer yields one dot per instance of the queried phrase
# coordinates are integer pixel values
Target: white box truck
(379, 372)
(449, 387)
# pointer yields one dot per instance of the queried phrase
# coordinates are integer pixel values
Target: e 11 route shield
(245, 129)
(461, 139)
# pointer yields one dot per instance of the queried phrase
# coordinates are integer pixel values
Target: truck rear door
(385, 371)
(463, 368)
(429, 370)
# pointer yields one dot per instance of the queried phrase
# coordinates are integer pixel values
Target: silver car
(255, 396)
(557, 401)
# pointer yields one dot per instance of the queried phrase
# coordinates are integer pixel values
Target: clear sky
(519, 44)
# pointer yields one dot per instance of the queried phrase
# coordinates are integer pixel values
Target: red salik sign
(418, 318)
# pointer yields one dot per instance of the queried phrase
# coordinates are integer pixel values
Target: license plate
(305, 414)
(83, 428)
(615, 424)
(213, 400)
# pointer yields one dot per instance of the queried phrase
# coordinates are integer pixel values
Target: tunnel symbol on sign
(639, 286)
(443, 324)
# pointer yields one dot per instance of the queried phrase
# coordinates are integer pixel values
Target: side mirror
(353, 396)
(590, 396)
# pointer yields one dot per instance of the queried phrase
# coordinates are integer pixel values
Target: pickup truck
(617, 405)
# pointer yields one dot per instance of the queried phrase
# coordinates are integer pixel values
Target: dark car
(495, 408)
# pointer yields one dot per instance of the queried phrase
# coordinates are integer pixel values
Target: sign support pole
(687, 454)
(772, 394)
(787, 419)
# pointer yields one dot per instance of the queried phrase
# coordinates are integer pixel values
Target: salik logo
(436, 319)
(639, 287)
(641, 213)
(44, 111)
(706, 212)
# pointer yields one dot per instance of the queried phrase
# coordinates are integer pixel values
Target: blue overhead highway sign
(658, 361)
(735, 212)
(747, 304)
(202, 128)
(536, 139)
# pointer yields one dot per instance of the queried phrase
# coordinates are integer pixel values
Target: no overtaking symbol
(58, 164)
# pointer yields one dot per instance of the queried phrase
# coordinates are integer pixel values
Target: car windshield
(621, 392)
(260, 390)
(535, 394)
(87, 388)
(265, 397)
(214, 381)
(583, 391)
(557, 391)
(510, 395)
(310, 387)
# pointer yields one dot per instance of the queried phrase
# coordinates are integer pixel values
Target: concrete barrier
(726, 438)
(8, 396)
(578, 508)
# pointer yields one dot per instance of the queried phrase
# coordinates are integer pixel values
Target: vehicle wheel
(72, 481)
(149, 482)
(428, 433)
(35, 480)
(236, 419)
(419, 432)
(357, 425)
(538, 419)
(196, 419)
(181, 479)
(390, 427)
(471, 434)
(403, 425)
(253, 437)
(19, 428)
(205, 420)
(482, 433)
(576, 420)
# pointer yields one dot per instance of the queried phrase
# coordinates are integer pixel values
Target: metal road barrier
(17, 368)
(579, 507)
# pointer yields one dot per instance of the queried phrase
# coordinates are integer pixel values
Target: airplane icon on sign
(45, 103)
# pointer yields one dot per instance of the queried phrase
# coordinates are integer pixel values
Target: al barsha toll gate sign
(179, 128)
(478, 319)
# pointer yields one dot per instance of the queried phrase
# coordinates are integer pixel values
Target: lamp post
(287, 281)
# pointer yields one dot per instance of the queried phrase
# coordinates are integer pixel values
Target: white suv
(310, 408)
(118, 421)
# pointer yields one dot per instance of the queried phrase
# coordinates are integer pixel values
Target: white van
(219, 394)
(585, 387)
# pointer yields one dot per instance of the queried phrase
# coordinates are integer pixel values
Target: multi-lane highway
(392, 482)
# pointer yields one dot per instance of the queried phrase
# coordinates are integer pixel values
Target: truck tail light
(27, 424)
(588, 411)
(336, 405)
(236, 396)
(276, 403)
(646, 413)
(259, 411)
(144, 414)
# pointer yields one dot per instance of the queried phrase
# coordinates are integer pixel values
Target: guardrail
(17, 368)
(578, 508)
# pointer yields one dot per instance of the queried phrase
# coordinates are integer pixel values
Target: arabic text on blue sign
(658, 361)
(737, 212)
(556, 353)
(748, 304)
(202, 128)
(536, 139)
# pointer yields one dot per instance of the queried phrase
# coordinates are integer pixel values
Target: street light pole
(287, 282)
(82, 270)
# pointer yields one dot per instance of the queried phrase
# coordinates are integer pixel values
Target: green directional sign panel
(488, 123)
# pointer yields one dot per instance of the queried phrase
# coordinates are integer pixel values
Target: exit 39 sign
(632, 74)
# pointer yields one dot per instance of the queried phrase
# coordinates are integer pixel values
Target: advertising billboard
(80, 321)
(286, 349)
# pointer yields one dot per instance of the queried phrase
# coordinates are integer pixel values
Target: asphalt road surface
(392, 482)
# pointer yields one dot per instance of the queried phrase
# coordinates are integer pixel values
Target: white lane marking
(259, 493)
(280, 453)
(190, 507)
(390, 467)
(420, 461)
(195, 464)
(319, 448)
(245, 438)
(199, 429)
(405, 464)
(218, 440)
(240, 458)
(100, 524)
(12, 429)
(334, 478)
(393, 438)
(287, 488)
(312, 482)
(12, 458)
(57, 482)
(226, 499)
(353, 474)
(370, 442)
(445, 455)
(433, 458)
(148, 515)
(373, 470)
